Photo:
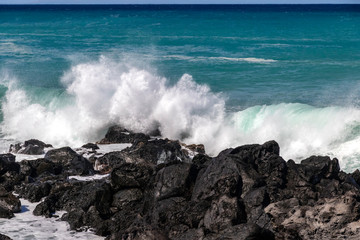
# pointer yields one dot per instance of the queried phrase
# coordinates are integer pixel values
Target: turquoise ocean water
(218, 75)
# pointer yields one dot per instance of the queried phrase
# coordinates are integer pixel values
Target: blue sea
(221, 75)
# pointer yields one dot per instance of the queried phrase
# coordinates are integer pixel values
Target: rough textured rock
(156, 151)
(70, 161)
(156, 191)
(9, 204)
(4, 237)
(9, 172)
(106, 163)
(31, 147)
(117, 134)
(92, 146)
(130, 175)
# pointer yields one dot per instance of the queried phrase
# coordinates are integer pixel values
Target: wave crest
(107, 92)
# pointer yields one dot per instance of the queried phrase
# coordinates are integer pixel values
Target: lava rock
(4, 237)
(117, 134)
(130, 175)
(9, 204)
(92, 146)
(70, 160)
(30, 147)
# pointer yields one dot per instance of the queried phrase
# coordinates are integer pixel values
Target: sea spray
(107, 92)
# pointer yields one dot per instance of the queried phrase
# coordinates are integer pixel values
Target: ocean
(221, 75)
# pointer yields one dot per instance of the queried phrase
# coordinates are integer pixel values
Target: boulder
(4, 237)
(71, 162)
(109, 161)
(130, 175)
(9, 204)
(30, 147)
(174, 181)
(155, 151)
(117, 134)
(92, 146)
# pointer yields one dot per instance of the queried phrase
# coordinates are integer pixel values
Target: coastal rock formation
(9, 204)
(155, 190)
(117, 134)
(30, 147)
(70, 161)
(4, 237)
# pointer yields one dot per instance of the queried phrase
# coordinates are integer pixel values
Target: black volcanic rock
(70, 161)
(106, 163)
(9, 172)
(130, 175)
(92, 146)
(155, 151)
(9, 204)
(30, 147)
(156, 191)
(4, 237)
(117, 134)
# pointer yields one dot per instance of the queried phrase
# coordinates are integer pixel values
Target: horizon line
(67, 4)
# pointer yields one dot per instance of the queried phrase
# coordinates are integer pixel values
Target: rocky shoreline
(163, 189)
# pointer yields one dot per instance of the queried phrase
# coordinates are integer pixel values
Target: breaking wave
(105, 92)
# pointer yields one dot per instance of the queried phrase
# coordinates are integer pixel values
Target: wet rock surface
(4, 237)
(30, 147)
(155, 190)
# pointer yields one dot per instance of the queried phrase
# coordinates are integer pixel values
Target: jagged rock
(316, 167)
(174, 180)
(222, 214)
(4, 237)
(31, 147)
(92, 146)
(130, 175)
(243, 232)
(35, 191)
(219, 178)
(9, 172)
(106, 163)
(41, 166)
(127, 198)
(8, 164)
(9, 204)
(198, 148)
(117, 134)
(46, 208)
(70, 161)
(156, 191)
(156, 151)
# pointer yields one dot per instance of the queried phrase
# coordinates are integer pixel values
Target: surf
(106, 92)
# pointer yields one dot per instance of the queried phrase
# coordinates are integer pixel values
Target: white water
(26, 226)
(107, 93)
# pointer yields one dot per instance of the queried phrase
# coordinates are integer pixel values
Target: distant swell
(107, 92)
(249, 59)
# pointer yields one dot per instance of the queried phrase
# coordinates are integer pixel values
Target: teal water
(220, 75)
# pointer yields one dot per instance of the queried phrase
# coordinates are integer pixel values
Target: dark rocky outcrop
(30, 147)
(92, 146)
(70, 161)
(117, 134)
(9, 172)
(4, 237)
(156, 190)
(9, 204)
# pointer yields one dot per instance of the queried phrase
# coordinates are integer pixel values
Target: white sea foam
(231, 59)
(107, 92)
(89, 178)
(250, 59)
(26, 226)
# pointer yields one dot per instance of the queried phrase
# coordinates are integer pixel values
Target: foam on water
(106, 92)
(26, 226)
(231, 59)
